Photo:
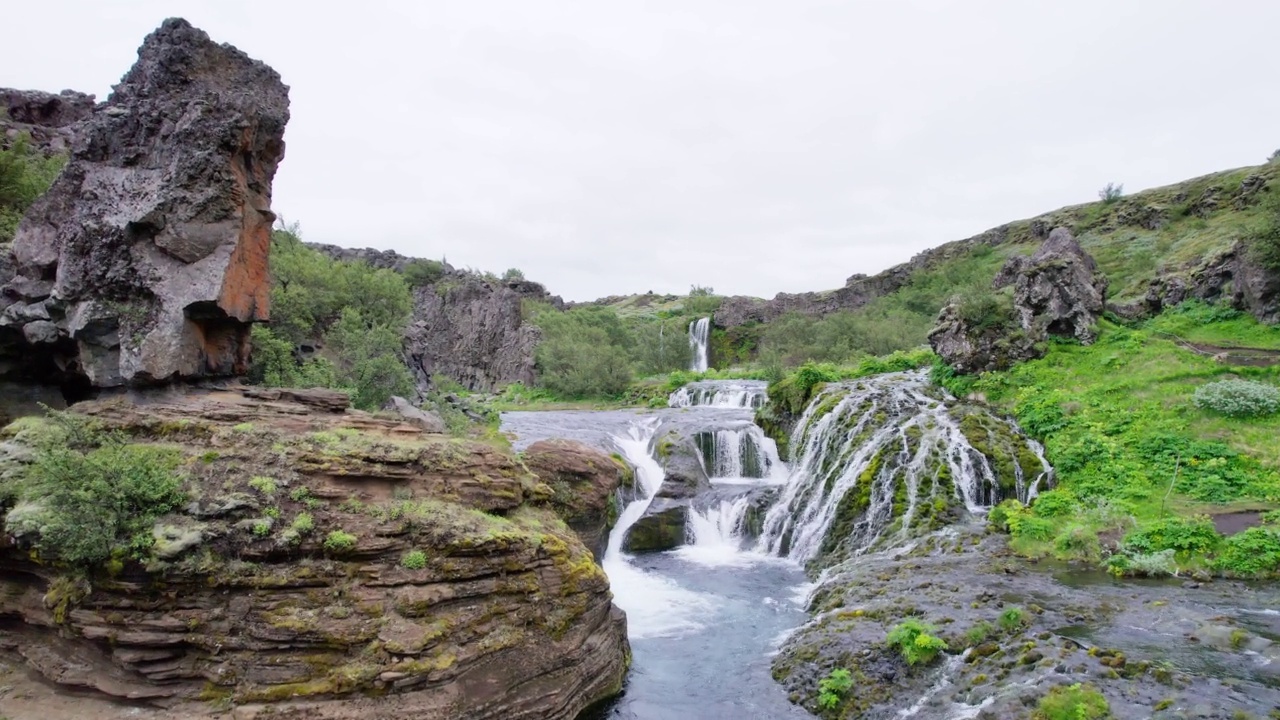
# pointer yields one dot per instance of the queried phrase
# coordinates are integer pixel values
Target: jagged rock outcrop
(584, 483)
(50, 121)
(147, 259)
(971, 348)
(465, 326)
(471, 329)
(1234, 277)
(663, 525)
(325, 563)
(1057, 291)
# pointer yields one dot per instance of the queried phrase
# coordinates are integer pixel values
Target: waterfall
(877, 459)
(698, 331)
(737, 454)
(656, 606)
(720, 394)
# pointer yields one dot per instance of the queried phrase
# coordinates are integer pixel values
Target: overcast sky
(756, 146)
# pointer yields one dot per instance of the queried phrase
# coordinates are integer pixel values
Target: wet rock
(681, 461)
(584, 482)
(426, 420)
(662, 527)
(149, 253)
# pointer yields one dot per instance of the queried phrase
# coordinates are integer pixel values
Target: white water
(876, 418)
(698, 332)
(741, 456)
(720, 394)
(656, 606)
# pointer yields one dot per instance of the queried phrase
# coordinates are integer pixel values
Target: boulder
(426, 420)
(584, 483)
(149, 253)
(1058, 290)
(681, 460)
(662, 527)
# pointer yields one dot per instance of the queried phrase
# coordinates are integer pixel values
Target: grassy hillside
(1148, 479)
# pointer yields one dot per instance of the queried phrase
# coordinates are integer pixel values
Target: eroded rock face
(501, 614)
(1058, 290)
(1233, 277)
(147, 259)
(49, 120)
(584, 482)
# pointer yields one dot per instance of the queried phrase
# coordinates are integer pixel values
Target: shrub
(414, 560)
(1077, 542)
(264, 485)
(1255, 551)
(1012, 619)
(1238, 398)
(419, 273)
(303, 524)
(1157, 564)
(262, 528)
(1030, 527)
(1073, 702)
(1111, 192)
(916, 641)
(832, 688)
(979, 633)
(512, 274)
(1195, 534)
(339, 541)
(25, 175)
(99, 500)
(1055, 503)
(1001, 514)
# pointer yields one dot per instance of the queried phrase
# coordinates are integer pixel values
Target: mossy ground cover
(1130, 447)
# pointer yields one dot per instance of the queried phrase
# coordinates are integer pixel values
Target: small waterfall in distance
(738, 455)
(699, 330)
(720, 394)
(877, 459)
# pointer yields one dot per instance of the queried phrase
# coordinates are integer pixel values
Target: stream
(704, 619)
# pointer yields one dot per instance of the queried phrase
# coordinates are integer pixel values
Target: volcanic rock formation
(147, 259)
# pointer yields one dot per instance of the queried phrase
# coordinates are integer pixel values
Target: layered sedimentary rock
(326, 563)
(584, 483)
(147, 259)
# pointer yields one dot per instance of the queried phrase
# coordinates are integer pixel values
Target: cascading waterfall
(740, 454)
(876, 459)
(699, 330)
(720, 394)
(655, 605)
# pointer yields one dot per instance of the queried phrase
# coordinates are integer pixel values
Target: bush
(584, 352)
(512, 275)
(1030, 527)
(832, 688)
(916, 641)
(1238, 398)
(1255, 551)
(264, 485)
(1012, 619)
(303, 524)
(1055, 503)
(25, 175)
(102, 499)
(414, 560)
(1157, 564)
(339, 541)
(1192, 535)
(1077, 542)
(1111, 192)
(1073, 702)
(419, 273)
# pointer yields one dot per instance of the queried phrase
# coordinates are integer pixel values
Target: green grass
(1128, 444)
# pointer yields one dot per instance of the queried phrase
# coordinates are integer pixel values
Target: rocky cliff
(320, 563)
(50, 121)
(465, 326)
(147, 259)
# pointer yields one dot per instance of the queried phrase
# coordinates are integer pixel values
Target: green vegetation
(355, 313)
(791, 392)
(89, 496)
(1073, 702)
(916, 641)
(1012, 619)
(833, 688)
(1238, 398)
(25, 175)
(420, 273)
(264, 485)
(1148, 438)
(339, 541)
(1111, 192)
(414, 560)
